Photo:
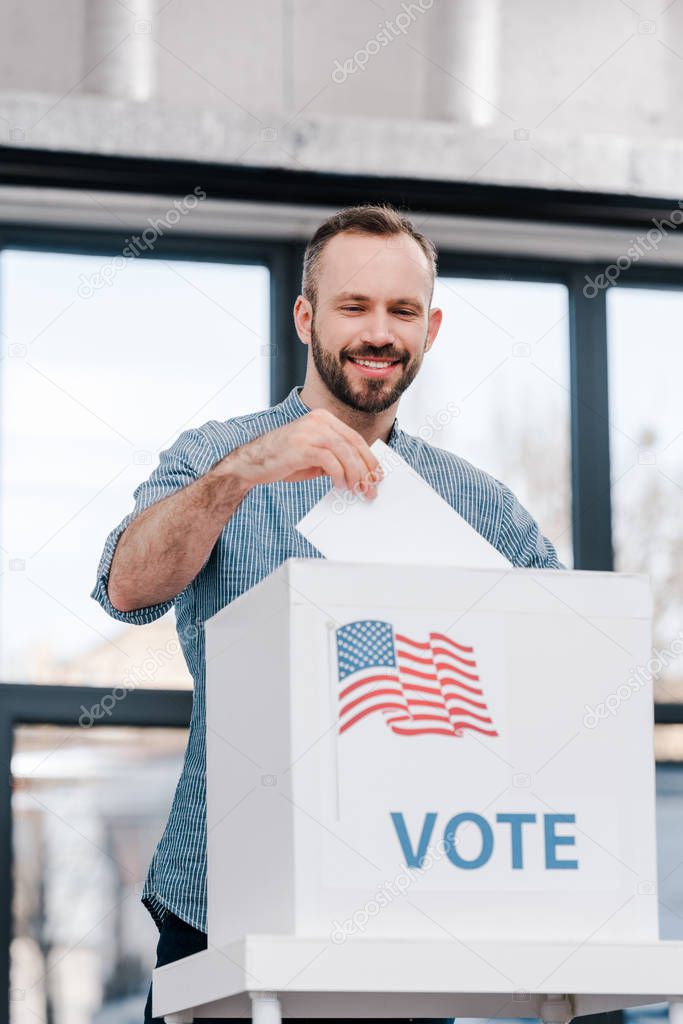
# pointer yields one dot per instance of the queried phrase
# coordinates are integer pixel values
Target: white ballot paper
(407, 522)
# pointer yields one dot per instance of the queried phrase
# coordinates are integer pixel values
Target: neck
(372, 426)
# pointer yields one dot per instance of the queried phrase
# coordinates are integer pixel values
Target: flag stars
(363, 644)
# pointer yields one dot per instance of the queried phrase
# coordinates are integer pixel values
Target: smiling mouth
(374, 367)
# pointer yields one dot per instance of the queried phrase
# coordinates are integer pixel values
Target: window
(99, 377)
(88, 807)
(646, 439)
(669, 873)
(495, 389)
(670, 850)
(102, 369)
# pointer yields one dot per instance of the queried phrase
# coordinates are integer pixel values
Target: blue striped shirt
(256, 540)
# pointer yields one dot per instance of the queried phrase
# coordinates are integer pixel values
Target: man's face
(372, 325)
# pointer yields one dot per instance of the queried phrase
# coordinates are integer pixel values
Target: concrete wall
(563, 93)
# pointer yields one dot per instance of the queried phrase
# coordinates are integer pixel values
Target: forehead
(375, 264)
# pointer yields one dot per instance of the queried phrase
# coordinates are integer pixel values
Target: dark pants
(178, 939)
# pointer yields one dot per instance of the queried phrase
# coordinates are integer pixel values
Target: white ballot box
(430, 792)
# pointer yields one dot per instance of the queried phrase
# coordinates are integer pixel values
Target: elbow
(116, 593)
(118, 598)
(118, 604)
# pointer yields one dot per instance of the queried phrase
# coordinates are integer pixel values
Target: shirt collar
(294, 406)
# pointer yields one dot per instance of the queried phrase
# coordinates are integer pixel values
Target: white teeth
(373, 364)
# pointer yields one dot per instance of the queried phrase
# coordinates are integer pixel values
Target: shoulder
(487, 504)
(214, 439)
(475, 494)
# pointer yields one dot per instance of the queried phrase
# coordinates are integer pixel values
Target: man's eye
(354, 309)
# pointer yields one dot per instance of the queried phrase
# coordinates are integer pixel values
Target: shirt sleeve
(520, 538)
(186, 460)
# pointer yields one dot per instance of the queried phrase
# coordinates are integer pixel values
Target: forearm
(165, 547)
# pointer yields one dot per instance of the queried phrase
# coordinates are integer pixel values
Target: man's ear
(434, 323)
(303, 319)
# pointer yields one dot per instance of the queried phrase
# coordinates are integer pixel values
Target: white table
(266, 977)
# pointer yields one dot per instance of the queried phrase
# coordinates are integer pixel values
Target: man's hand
(317, 444)
(165, 547)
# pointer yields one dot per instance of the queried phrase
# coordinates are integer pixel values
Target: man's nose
(378, 330)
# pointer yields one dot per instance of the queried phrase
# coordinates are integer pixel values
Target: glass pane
(669, 867)
(96, 380)
(495, 390)
(670, 850)
(646, 437)
(88, 807)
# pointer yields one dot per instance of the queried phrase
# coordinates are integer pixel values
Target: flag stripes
(419, 686)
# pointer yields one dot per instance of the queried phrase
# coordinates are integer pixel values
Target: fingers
(318, 441)
(360, 444)
(362, 469)
(355, 469)
(330, 465)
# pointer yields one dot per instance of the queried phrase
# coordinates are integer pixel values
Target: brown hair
(369, 219)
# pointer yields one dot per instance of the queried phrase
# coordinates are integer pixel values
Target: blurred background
(162, 164)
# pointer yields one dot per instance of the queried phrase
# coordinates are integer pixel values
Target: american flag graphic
(428, 686)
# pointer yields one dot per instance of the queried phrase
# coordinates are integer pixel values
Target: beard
(370, 395)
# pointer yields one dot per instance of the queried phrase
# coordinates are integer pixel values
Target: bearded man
(220, 511)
